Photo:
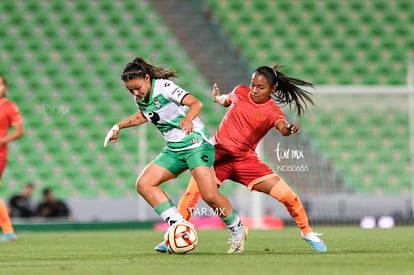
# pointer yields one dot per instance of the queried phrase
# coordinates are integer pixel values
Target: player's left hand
(187, 126)
(293, 128)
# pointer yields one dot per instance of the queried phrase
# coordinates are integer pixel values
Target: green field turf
(351, 251)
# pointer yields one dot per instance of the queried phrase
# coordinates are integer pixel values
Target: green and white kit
(165, 111)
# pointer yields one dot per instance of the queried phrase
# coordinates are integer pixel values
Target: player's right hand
(112, 135)
(216, 92)
(293, 128)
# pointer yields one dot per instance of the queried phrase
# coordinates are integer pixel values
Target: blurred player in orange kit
(252, 113)
(9, 117)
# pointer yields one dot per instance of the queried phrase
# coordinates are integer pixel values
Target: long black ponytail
(287, 91)
(139, 68)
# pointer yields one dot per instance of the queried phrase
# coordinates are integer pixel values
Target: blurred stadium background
(352, 158)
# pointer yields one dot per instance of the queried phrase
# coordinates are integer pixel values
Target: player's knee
(210, 197)
(140, 187)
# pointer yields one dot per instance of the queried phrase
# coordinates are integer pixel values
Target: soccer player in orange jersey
(9, 116)
(252, 112)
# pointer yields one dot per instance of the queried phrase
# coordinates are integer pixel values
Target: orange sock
(189, 200)
(282, 192)
(5, 222)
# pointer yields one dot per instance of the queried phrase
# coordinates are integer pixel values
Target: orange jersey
(9, 116)
(245, 122)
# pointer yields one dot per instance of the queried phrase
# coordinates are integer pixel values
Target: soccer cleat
(313, 239)
(237, 245)
(10, 237)
(162, 248)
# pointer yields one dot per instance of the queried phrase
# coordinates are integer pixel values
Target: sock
(234, 225)
(283, 193)
(189, 200)
(168, 212)
(5, 222)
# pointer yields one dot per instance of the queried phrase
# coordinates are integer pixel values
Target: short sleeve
(173, 92)
(231, 96)
(14, 114)
(278, 115)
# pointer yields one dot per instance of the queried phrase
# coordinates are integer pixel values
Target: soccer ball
(181, 238)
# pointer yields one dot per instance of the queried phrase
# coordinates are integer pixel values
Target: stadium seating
(337, 42)
(63, 60)
(363, 147)
(328, 42)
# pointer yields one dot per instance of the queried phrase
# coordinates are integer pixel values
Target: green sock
(163, 206)
(168, 212)
(234, 224)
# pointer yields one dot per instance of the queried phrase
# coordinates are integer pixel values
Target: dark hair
(46, 191)
(287, 93)
(4, 79)
(139, 68)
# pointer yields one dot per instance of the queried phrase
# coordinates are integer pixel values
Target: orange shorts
(247, 169)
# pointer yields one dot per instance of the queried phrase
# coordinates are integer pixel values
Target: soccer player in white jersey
(174, 112)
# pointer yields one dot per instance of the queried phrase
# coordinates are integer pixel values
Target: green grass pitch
(351, 251)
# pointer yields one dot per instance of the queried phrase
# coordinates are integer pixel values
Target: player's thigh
(206, 180)
(266, 184)
(200, 161)
(153, 175)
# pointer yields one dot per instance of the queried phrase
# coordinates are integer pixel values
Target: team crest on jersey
(157, 103)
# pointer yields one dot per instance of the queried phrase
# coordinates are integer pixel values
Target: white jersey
(165, 111)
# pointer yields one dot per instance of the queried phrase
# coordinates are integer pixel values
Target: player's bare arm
(134, 120)
(17, 133)
(220, 99)
(286, 128)
(195, 105)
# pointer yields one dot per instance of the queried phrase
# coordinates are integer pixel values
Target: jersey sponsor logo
(290, 208)
(194, 141)
(204, 158)
(154, 117)
(178, 91)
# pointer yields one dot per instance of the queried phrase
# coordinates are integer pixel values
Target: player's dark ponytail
(4, 79)
(287, 91)
(139, 68)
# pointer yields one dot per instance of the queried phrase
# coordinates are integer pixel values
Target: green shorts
(179, 161)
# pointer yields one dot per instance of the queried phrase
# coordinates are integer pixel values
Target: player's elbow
(20, 133)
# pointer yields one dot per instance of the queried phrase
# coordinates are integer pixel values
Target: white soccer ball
(181, 238)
